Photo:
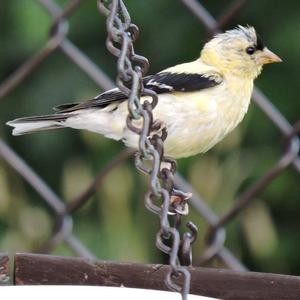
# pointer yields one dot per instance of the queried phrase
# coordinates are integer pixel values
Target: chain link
(161, 197)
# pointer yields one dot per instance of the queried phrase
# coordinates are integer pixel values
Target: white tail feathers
(37, 123)
(33, 126)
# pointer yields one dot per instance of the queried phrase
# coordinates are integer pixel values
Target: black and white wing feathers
(163, 82)
(167, 82)
(101, 100)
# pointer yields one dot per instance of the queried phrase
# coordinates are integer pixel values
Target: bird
(199, 102)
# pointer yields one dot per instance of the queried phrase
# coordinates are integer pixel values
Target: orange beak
(268, 57)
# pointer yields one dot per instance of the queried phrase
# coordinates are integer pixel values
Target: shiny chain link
(161, 198)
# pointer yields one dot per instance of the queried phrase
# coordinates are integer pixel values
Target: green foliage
(114, 223)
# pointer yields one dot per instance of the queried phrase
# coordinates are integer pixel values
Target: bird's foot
(178, 202)
(159, 128)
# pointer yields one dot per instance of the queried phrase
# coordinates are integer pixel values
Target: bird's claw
(159, 128)
(178, 204)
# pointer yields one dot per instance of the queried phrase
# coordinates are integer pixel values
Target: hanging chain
(161, 198)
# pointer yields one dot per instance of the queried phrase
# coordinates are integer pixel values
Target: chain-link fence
(63, 212)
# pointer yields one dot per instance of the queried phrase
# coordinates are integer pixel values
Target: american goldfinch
(200, 102)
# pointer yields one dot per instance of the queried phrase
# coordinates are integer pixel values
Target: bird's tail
(38, 123)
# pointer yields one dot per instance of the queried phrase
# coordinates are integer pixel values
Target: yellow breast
(209, 116)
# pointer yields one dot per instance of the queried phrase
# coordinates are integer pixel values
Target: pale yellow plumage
(196, 120)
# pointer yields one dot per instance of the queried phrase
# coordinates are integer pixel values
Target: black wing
(101, 100)
(164, 82)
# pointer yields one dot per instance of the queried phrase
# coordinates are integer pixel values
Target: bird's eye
(250, 50)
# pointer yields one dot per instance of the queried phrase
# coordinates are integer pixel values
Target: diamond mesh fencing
(62, 212)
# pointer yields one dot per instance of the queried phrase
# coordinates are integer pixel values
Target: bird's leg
(159, 128)
(178, 199)
(178, 202)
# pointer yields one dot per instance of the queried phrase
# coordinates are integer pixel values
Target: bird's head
(239, 51)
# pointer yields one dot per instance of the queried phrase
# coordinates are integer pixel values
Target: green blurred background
(114, 224)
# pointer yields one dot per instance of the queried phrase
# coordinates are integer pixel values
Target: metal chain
(161, 198)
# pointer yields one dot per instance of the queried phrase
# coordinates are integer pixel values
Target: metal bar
(197, 9)
(262, 183)
(31, 64)
(78, 201)
(222, 284)
(46, 193)
(72, 52)
(17, 163)
(229, 13)
(205, 211)
(84, 63)
(4, 270)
